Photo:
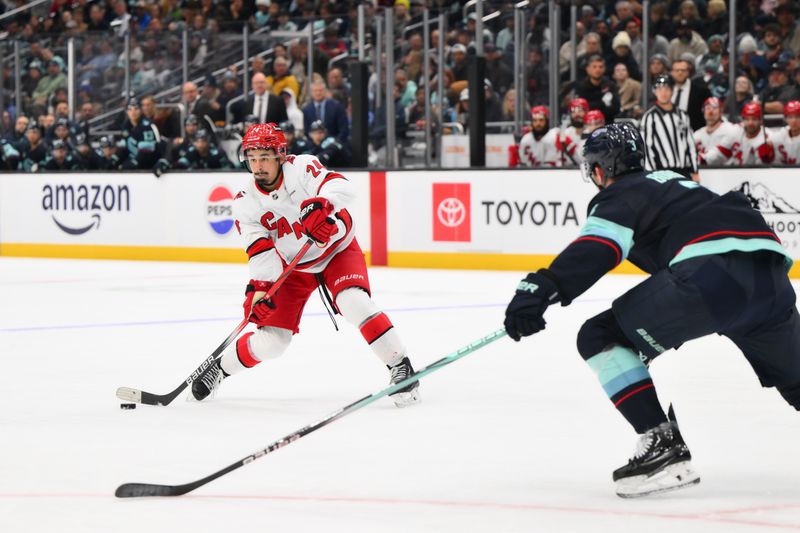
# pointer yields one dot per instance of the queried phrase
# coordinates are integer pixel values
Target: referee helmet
(663, 79)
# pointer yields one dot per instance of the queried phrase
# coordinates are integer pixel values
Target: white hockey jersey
(787, 148)
(542, 153)
(571, 147)
(269, 222)
(747, 154)
(720, 146)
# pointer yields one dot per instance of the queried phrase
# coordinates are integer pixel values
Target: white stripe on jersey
(571, 147)
(541, 153)
(787, 148)
(276, 216)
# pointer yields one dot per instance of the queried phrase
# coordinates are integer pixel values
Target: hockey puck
(127, 406)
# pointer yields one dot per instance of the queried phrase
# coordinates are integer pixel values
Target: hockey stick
(148, 398)
(136, 490)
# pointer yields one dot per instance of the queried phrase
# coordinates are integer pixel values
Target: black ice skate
(661, 463)
(408, 395)
(207, 385)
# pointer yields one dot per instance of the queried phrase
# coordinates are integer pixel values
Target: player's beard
(577, 123)
(539, 133)
(263, 181)
(752, 131)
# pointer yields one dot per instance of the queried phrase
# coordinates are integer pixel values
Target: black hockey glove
(525, 313)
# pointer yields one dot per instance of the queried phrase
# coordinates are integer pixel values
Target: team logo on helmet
(219, 210)
(751, 110)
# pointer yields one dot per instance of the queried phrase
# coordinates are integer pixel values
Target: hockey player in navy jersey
(715, 267)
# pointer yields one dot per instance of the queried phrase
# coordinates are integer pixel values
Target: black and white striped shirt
(668, 139)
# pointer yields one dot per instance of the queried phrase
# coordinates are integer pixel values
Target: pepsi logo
(219, 210)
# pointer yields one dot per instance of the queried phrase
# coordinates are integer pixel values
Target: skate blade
(406, 399)
(673, 477)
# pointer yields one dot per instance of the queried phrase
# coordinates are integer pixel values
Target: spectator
(462, 109)
(509, 106)
(230, 90)
(329, 111)
(180, 145)
(377, 133)
(338, 86)
(48, 84)
(208, 107)
(630, 92)
(660, 23)
(407, 88)
(416, 111)
(770, 46)
(688, 12)
(284, 24)
(264, 16)
(332, 46)
(709, 63)
(190, 97)
(237, 15)
(748, 63)
(412, 61)
(716, 19)
(292, 110)
(498, 72)
(122, 19)
(778, 91)
(17, 137)
(633, 29)
(623, 11)
(264, 105)
(458, 57)
(592, 47)
(743, 93)
(282, 77)
(565, 52)
(621, 53)
(142, 140)
(598, 90)
(687, 40)
(790, 30)
(97, 18)
(506, 35)
(689, 94)
(659, 64)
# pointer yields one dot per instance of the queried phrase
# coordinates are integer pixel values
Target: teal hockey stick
(136, 490)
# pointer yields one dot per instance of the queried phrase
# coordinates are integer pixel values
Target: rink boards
(473, 219)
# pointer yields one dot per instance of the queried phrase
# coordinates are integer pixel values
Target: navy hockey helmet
(617, 149)
(287, 127)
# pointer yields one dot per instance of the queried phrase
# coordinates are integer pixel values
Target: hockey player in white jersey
(717, 143)
(787, 140)
(572, 135)
(289, 200)
(540, 147)
(753, 146)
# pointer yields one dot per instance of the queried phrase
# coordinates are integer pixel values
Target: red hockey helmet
(595, 116)
(712, 101)
(540, 110)
(580, 103)
(265, 137)
(751, 110)
(791, 108)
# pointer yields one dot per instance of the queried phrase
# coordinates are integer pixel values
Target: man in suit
(332, 114)
(689, 94)
(263, 104)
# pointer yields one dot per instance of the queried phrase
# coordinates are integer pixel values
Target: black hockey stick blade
(148, 398)
(138, 490)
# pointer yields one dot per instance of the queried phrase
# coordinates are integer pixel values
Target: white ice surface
(515, 437)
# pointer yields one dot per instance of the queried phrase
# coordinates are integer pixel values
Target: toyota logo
(451, 212)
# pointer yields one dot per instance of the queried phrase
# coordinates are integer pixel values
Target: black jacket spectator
(601, 93)
(333, 116)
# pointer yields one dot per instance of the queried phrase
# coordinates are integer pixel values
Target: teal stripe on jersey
(731, 244)
(612, 231)
(618, 368)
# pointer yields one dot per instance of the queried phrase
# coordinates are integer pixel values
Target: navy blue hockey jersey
(656, 219)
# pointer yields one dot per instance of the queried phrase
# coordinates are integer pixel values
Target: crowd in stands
(688, 40)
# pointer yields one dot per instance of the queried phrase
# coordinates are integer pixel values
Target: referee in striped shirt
(669, 142)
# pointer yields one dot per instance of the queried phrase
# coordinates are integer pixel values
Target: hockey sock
(376, 328)
(252, 348)
(629, 386)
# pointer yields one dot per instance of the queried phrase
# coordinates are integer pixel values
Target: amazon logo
(70, 202)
